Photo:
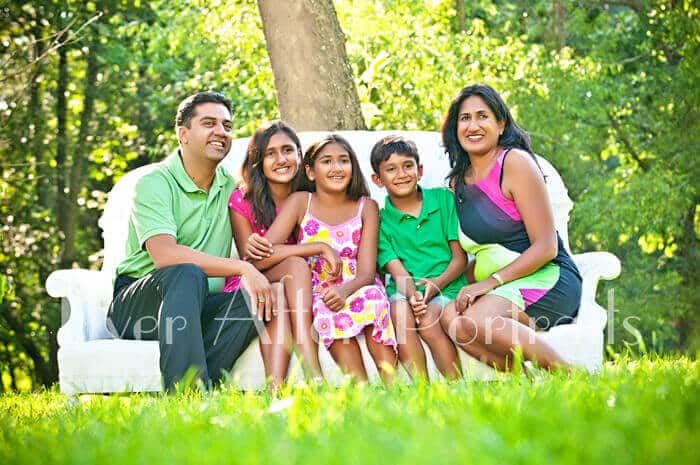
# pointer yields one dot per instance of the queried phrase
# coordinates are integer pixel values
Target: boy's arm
(404, 281)
(452, 272)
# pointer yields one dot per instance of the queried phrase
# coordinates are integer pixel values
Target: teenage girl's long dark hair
(257, 191)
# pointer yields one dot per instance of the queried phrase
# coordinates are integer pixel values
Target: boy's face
(399, 174)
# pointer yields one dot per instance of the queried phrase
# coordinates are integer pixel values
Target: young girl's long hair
(257, 191)
(513, 136)
(358, 185)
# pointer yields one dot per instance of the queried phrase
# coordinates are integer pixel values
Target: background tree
(313, 80)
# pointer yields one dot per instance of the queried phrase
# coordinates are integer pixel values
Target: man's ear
(182, 134)
(420, 171)
(309, 172)
(377, 181)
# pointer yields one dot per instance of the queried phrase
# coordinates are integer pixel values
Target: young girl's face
(332, 169)
(281, 159)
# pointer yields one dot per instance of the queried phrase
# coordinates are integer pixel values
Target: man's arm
(165, 251)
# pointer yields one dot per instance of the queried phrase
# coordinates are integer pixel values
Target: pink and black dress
(492, 230)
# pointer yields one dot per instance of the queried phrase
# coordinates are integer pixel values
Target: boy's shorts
(441, 300)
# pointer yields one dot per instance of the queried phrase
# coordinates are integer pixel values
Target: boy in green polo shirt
(419, 247)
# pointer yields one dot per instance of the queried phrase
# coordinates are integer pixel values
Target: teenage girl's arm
(289, 216)
(523, 183)
(334, 297)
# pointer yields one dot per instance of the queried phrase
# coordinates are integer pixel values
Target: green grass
(634, 412)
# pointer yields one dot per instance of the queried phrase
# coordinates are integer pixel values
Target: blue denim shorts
(441, 300)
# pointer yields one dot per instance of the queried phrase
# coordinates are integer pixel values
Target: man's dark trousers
(194, 328)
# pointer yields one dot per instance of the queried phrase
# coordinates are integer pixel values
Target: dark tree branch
(626, 142)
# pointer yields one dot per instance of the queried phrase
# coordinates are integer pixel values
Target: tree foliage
(607, 90)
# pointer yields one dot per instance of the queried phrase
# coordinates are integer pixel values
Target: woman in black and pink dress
(522, 276)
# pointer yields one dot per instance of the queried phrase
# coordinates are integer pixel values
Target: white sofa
(90, 360)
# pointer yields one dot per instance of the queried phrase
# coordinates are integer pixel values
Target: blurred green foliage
(607, 90)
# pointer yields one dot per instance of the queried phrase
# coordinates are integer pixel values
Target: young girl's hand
(335, 264)
(334, 298)
(257, 247)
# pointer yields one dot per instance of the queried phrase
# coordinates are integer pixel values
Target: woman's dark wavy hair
(513, 135)
(358, 185)
(257, 191)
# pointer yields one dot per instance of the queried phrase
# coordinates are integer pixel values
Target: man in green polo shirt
(419, 247)
(168, 288)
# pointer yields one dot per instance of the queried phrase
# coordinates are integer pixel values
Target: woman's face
(281, 159)
(477, 127)
(332, 169)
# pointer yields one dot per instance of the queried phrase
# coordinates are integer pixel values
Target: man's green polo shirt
(421, 244)
(167, 201)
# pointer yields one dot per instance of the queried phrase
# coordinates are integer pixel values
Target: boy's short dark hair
(185, 111)
(389, 145)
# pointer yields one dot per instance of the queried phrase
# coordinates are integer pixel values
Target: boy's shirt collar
(429, 205)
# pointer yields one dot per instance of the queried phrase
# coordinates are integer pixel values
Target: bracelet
(498, 278)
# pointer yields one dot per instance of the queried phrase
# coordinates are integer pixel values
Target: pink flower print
(318, 265)
(340, 233)
(346, 252)
(323, 326)
(357, 304)
(373, 294)
(342, 321)
(311, 227)
(351, 266)
(356, 235)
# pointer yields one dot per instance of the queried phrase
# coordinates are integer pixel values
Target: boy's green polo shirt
(167, 201)
(421, 244)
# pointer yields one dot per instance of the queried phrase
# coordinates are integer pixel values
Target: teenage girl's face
(332, 169)
(281, 159)
(477, 127)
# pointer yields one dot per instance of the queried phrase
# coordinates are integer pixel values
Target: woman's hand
(257, 247)
(468, 294)
(334, 297)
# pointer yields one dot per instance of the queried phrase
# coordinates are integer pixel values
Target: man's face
(399, 174)
(209, 134)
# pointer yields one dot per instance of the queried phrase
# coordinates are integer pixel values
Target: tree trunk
(459, 5)
(61, 137)
(313, 79)
(559, 23)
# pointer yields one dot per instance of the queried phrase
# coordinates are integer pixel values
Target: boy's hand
(257, 247)
(334, 298)
(418, 305)
(431, 289)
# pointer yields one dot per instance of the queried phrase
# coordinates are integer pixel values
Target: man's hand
(257, 247)
(262, 299)
(334, 298)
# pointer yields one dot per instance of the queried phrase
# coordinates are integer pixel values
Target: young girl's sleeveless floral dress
(366, 306)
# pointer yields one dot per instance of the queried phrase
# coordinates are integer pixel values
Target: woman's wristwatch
(498, 278)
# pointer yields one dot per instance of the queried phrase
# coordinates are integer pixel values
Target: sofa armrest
(595, 266)
(87, 291)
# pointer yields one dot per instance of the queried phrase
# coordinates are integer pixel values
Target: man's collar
(174, 164)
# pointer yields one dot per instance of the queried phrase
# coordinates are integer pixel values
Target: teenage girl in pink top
(270, 174)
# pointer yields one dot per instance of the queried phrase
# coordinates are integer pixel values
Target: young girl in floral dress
(338, 224)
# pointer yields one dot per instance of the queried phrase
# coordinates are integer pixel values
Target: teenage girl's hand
(333, 261)
(257, 247)
(334, 298)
